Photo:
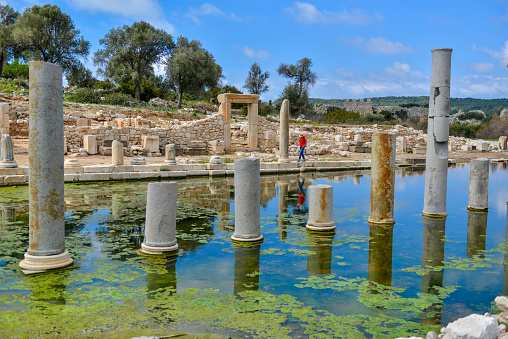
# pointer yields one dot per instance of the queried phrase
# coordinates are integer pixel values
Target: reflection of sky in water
(284, 257)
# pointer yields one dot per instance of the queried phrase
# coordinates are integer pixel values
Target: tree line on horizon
(127, 60)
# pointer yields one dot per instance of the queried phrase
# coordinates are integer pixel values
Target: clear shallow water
(365, 281)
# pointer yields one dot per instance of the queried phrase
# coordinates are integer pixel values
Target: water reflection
(319, 259)
(476, 233)
(246, 268)
(380, 254)
(432, 256)
(505, 276)
(283, 209)
(8, 215)
(156, 282)
(51, 291)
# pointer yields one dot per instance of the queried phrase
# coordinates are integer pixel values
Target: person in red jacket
(303, 143)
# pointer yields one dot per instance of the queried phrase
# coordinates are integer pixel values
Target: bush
(371, 118)
(15, 70)
(86, 96)
(471, 115)
(341, 116)
(401, 114)
(493, 129)
(103, 84)
(387, 115)
(118, 98)
(466, 131)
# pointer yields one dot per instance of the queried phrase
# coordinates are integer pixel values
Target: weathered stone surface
(479, 185)
(7, 151)
(474, 326)
(117, 153)
(150, 142)
(321, 208)
(284, 131)
(90, 144)
(138, 161)
(382, 178)
(170, 154)
(502, 304)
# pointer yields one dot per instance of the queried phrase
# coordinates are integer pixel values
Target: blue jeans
(301, 153)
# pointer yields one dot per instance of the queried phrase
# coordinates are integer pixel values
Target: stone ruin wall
(411, 111)
(359, 106)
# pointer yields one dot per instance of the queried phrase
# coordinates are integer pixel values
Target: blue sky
(359, 49)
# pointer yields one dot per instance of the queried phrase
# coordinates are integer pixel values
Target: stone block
(119, 176)
(82, 122)
(98, 169)
(503, 143)
(122, 168)
(90, 144)
(474, 326)
(150, 142)
(217, 173)
(222, 167)
(73, 170)
(197, 172)
(71, 177)
(12, 171)
(15, 179)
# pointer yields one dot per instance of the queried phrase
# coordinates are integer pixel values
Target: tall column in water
(46, 249)
(436, 170)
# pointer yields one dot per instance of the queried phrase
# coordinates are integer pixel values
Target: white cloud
(148, 10)
(378, 45)
(208, 9)
(481, 67)
(253, 54)
(479, 86)
(345, 73)
(500, 55)
(308, 13)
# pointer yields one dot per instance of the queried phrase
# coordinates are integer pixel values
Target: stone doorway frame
(225, 101)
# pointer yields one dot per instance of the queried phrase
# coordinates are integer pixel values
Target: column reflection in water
(380, 254)
(51, 291)
(476, 233)
(246, 268)
(283, 209)
(505, 277)
(321, 261)
(433, 255)
(225, 207)
(8, 215)
(157, 282)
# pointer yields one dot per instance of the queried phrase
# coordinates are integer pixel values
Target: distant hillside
(456, 104)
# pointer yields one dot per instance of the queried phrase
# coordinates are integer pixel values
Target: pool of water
(363, 281)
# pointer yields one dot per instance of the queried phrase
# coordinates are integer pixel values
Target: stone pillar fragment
(170, 154)
(321, 208)
(247, 200)
(117, 153)
(4, 118)
(90, 144)
(382, 178)
(160, 224)
(46, 249)
(503, 142)
(436, 170)
(284, 132)
(7, 151)
(253, 125)
(479, 185)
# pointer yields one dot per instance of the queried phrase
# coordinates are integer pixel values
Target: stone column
(246, 268)
(380, 254)
(321, 261)
(253, 125)
(436, 166)
(479, 185)
(170, 154)
(225, 107)
(284, 132)
(46, 249)
(382, 178)
(321, 209)
(4, 118)
(7, 151)
(476, 233)
(433, 256)
(116, 153)
(160, 224)
(247, 200)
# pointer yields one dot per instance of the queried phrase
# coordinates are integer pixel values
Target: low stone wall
(411, 111)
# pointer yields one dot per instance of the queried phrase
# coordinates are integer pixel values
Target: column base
(434, 215)
(41, 263)
(8, 164)
(387, 222)
(284, 160)
(475, 209)
(170, 162)
(244, 240)
(328, 227)
(157, 250)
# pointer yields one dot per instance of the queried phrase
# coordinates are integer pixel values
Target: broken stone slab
(474, 326)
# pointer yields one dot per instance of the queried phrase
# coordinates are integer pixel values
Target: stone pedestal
(436, 166)
(138, 161)
(382, 179)
(46, 249)
(503, 143)
(117, 153)
(150, 142)
(72, 163)
(321, 209)
(479, 185)
(170, 154)
(247, 200)
(284, 132)
(90, 144)
(7, 151)
(160, 224)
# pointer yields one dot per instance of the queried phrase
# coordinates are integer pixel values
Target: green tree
(192, 69)
(255, 82)
(80, 76)
(8, 17)
(47, 34)
(130, 52)
(297, 90)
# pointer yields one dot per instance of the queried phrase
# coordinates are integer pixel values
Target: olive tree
(8, 17)
(297, 90)
(191, 69)
(130, 53)
(255, 82)
(47, 34)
